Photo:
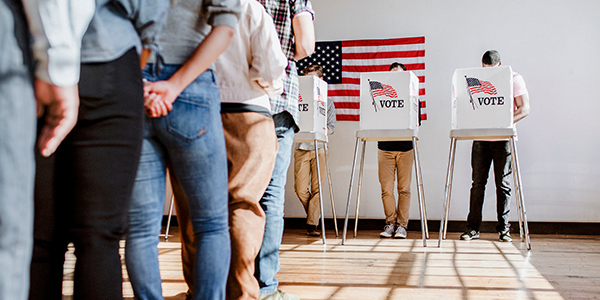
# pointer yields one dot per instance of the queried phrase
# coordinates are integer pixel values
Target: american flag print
(381, 89)
(480, 86)
(343, 61)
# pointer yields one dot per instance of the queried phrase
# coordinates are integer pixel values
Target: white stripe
(390, 48)
(382, 61)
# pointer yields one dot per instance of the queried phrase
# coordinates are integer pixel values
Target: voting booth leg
(519, 189)
(420, 193)
(447, 192)
(360, 176)
(320, 194)
(350, 191)
(331, 192)
(169, 219)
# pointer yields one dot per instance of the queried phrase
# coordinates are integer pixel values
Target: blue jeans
(189, 142)
(17, 136)
(267, 261)
(483, 153)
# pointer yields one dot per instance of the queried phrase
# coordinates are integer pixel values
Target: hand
(60, 106)
(159, 97)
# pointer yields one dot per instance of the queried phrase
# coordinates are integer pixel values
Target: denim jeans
(189, 142)
(267, 261)
(17, 136)
(483, 153)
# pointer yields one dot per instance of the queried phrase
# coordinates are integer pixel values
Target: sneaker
(279, 295)
(400, 233)
(313, 231)
(505, 236)
(388, 231)
(469, 235)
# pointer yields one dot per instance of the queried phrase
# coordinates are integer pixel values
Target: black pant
(482, 155)
(83, 191)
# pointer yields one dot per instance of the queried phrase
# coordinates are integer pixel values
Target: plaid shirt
(282, 12)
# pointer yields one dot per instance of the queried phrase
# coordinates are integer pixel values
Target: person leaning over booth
(306, 183)
(483, 153)
(395, 158)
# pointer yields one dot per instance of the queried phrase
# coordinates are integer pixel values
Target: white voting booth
(312, 106)
(482, 109)
(389, 111)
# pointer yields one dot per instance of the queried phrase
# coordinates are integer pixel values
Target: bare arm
(304, 35)
(160, 95)
(522, 105)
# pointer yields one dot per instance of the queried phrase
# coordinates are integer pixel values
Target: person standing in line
(183, 134)
(83, 191)
(294, 23)
(483, 153)
(306, 183)
(249, 71)
(56, 33)
(395, 159)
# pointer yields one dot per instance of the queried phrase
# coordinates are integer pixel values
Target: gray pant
(17, 136)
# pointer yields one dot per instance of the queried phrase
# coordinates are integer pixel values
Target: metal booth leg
(360, 176)
(519, 188)
(350, 192)
(169, 219)
(420, 193)
(447, 192)
(331, 191)
(320, 193)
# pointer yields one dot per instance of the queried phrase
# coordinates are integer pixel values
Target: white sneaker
(388, 231)
(400, 233)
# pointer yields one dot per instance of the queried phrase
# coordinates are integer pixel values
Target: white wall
(554, 44)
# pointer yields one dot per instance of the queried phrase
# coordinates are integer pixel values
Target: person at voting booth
(483, 153)
(305, 166)
(395, 158)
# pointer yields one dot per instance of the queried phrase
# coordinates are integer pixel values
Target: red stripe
(333, 93)
(350, 80)
(423, 104)
(423, 117)
(380, 68)
(421, 92)
(341, 117)
(421, 78)
(384, 42)
(353, 105)
(376, 55)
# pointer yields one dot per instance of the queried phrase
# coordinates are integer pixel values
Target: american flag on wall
(343, 61)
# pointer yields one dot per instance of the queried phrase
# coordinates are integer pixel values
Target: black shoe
(313, 231)
(470, 234)
(504, 236)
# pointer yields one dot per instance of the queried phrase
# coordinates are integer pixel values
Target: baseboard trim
(576, 228)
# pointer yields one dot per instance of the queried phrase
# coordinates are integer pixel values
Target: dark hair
(396, 65)
(313, 68)
(490, 57)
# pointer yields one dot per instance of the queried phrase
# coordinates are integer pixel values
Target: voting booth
(312, 104)
(482, 98)
(389, 111)
(389, 100)
(482, 109)
(312, 108)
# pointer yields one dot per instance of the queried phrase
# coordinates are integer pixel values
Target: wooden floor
(557, 267)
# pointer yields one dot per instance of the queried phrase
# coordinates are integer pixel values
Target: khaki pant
(392, 164)
(251, 151)
(306, 182)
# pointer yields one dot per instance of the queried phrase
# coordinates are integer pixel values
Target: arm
(331, 117)
(304, 35)
(522, 107)
(57, 27)
(161, 94)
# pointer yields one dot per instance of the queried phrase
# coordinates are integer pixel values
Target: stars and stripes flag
(382, 89)
(343, 61)
(480, 86)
